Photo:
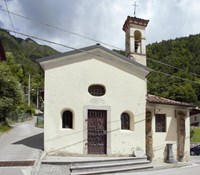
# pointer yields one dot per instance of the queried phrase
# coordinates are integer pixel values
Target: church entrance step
(109, 166)
(93, 165)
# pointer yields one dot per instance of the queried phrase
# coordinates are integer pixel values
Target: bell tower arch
(135, 47)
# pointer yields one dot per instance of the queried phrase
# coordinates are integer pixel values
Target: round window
(97, 90)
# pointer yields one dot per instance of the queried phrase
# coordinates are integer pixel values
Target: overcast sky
(101, 20)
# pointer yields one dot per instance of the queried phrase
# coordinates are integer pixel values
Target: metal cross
(135, 6)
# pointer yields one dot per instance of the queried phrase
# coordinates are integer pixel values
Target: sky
(100, 20)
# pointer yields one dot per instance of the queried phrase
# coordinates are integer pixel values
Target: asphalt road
(194, 169)
(24, 142)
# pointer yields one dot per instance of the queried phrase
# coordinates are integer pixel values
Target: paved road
(23, 142)
(194, 169)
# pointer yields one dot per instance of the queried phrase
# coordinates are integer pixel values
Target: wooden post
(149, 136)
(180, 135)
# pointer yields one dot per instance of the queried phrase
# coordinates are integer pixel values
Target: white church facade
(96, 102)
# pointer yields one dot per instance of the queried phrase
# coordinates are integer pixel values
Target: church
(96, 103)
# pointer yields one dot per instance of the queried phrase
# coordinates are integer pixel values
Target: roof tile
(162, 100)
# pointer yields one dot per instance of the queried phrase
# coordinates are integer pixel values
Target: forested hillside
(21, 55)
(14, 72)
(183, 54)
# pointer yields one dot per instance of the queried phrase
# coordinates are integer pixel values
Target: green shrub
(195, 134)
(4, 127)
(25, 109)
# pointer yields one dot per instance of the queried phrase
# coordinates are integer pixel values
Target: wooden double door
(97, 132)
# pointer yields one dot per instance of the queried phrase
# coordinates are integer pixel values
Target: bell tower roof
(134, 20)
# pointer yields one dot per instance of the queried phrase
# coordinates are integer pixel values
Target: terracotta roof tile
(134, 20)
(162, 100)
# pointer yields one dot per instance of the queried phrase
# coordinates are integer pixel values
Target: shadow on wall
(36, 141)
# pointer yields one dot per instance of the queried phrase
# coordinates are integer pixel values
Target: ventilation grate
(16, 163)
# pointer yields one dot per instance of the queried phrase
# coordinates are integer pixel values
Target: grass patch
(195, 134)
(4, 127)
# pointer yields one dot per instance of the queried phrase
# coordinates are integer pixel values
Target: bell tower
(135, 47)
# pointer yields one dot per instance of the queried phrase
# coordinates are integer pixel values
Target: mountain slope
(21, 55)
(184, 54)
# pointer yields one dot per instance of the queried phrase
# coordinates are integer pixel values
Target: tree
(183, 55)
(11, 94)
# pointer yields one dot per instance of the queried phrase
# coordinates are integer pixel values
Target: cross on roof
(135, 6)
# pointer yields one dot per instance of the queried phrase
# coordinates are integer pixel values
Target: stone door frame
(85, 127)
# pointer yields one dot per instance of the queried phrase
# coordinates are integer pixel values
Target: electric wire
(61, 29)
(55, 43)
(10, 17)
(171, 66)
(170, 75)
(69, 47)
(88, 38)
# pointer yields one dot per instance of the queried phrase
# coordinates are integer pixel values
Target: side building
(167, 122)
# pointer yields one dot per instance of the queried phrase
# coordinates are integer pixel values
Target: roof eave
(183, 105)
(42, 61)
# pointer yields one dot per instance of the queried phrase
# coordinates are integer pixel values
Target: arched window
(125, 121)
(137, 35)
(67, 119)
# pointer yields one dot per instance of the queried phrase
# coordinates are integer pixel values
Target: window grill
(160, 122)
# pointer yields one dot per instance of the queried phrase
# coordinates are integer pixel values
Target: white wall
(66, 87)
(139, 58)
(195, 119)
(160, 139)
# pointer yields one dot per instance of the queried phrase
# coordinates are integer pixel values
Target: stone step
(79, 168)
(109, 160)
(90, 160)
(109, 165)
(113, 170)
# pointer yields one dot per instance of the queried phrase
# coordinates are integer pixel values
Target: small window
(67, 119)
(160, 122)
(125, 121)
(97, 90)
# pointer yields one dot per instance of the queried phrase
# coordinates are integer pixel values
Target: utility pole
(37, 98)
(29, 89)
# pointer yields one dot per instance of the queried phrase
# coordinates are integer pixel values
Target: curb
(169, 166)
(36, 168)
